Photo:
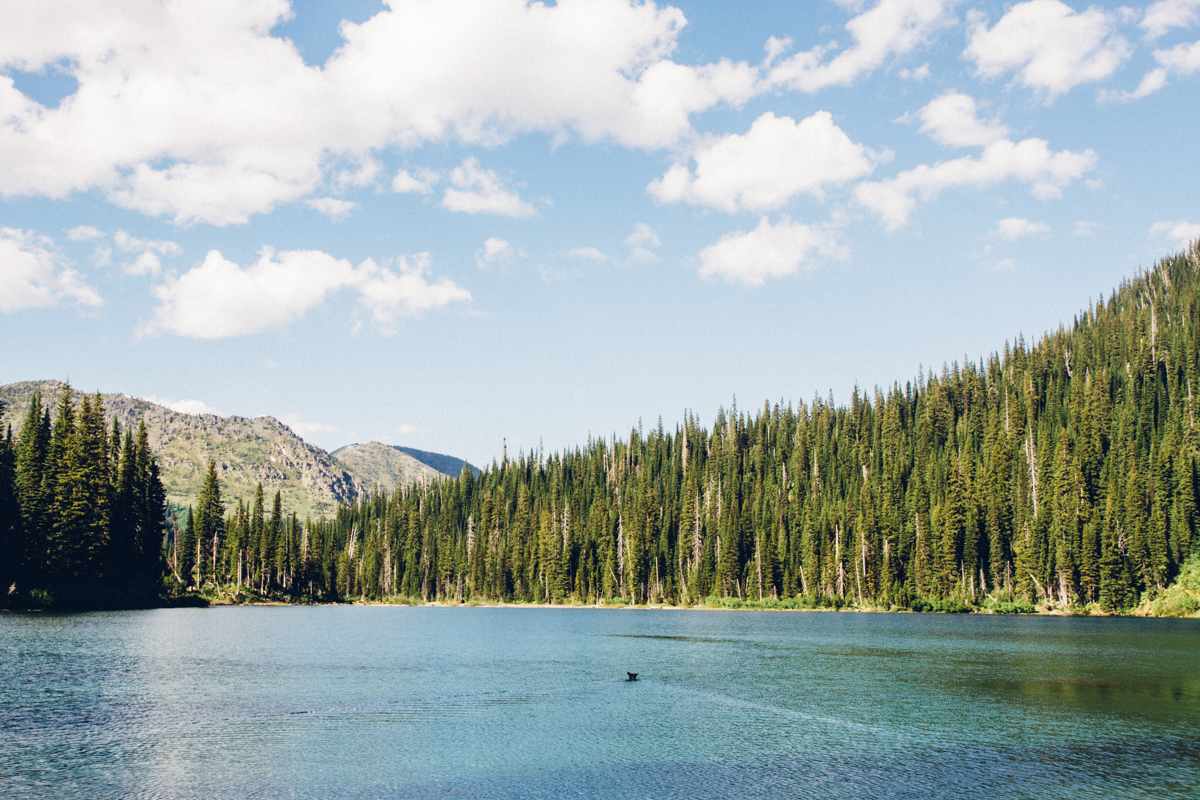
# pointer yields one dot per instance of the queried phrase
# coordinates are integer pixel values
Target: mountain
(382, 466)
(447, 465)
(247, 450)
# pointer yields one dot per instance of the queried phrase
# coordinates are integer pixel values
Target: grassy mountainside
(248, 450)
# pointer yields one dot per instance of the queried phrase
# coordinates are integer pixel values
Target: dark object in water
(632, 676)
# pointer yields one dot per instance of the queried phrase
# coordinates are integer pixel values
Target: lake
(381, 702)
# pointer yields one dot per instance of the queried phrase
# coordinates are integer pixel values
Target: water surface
(380, 702)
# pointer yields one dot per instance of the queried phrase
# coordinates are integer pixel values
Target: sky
(458, 225)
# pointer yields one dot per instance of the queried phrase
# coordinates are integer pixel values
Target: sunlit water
(378, 702)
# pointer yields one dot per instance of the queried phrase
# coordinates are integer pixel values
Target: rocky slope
(246, 450)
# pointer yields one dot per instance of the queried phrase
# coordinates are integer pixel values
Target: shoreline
(982, 612)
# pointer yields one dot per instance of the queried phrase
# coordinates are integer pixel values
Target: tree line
(1059, 473)
(82, 509)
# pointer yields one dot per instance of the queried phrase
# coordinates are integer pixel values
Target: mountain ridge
(247, 450)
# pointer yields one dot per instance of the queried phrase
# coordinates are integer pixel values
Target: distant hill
(447, 465)
(389, 466)
(386, 466)
(247, 450)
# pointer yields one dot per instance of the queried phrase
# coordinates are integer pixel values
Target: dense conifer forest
(82, 510)
(1058, 474)
(1055, 475)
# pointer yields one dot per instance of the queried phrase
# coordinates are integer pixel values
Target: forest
(1058, 474)
(1055, 475)
(82, 510)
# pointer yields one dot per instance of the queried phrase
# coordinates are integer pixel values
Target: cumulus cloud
(593, 254)
(231, 122)
(359, 176)
(888, 29)
(642, 244)
(218, 298)
(1179, 231)
(333, 207)
(1029, 161)
(127, 243)
(1182, 59)
(776, 159)
(1014, 228)
(150, 253)
(418, 182)
(953, 119)
(35, 275)
(306, 428)
(475, 190)
(184, 406)
(496, 252)
(84, 233)
(915, 73)
(769, 251)
(1165, 15)
(1048, 46)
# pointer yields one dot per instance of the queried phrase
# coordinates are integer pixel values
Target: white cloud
(405, 290)
(890, 28)
(915, 73)
(132, 244)
(195, 407)
(953, 120)
(406, 429)
(148, 263)
(35, 275)
(1183, 59)
(230, 121)
(1164, 15)
(593, 254)
(1029, 161)
(1014, 228)
(150, 253)
(306, 428)
(768, 252)
(496, 252)
(1181, 232)
(84, 233)
(333, 207)
(776, 159)
(642, 244)
(419, 182)
(360, 176)
(1153, 81)
(1049, 46)
(219, 298)
(475, 190)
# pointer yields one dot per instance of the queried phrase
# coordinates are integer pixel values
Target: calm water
(361, 702)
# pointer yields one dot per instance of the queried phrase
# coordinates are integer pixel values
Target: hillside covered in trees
(1059, 474)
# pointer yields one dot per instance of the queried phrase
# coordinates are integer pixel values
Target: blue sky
(447, 224)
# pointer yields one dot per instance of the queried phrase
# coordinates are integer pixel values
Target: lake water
(380, 702)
